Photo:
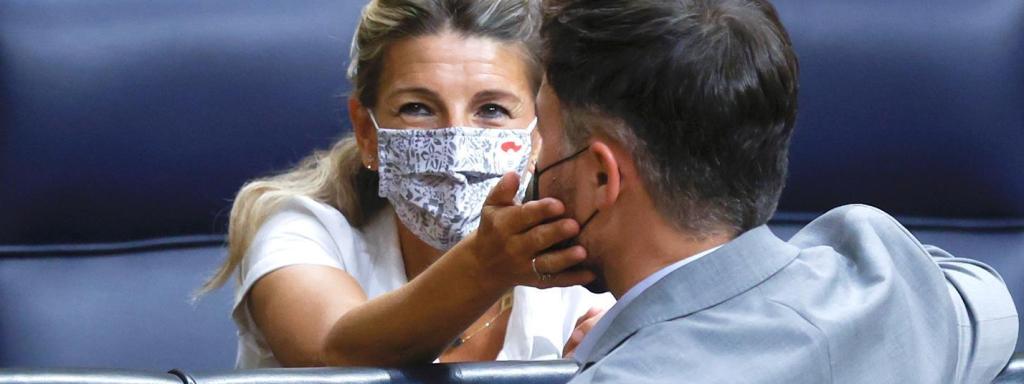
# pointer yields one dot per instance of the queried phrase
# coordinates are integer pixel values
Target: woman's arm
(319, 315)
(295, 307)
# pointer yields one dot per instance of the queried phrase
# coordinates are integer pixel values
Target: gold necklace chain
(505, 304)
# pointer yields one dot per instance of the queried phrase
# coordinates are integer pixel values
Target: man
(666, 126)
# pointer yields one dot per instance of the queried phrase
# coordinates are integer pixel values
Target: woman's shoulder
(314, 215)
(308, 212)
(301, 230)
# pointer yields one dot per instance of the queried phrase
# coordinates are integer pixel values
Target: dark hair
(706, 89)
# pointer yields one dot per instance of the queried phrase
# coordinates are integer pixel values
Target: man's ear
(608, 176)
(365, 132)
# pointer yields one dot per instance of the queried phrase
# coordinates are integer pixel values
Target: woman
(333, 274)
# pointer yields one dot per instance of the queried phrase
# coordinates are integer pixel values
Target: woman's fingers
(576, 276)
(504, 193)
(511, 236)
(552, 263)
(556, 269)
(505, 218)
(544, 236)
(583, 326)
(521, 218)
(593, 311)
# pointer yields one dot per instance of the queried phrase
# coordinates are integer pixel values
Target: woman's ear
(608, 175)
(365, 132)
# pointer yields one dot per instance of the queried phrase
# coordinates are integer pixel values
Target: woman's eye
(415, 109)
(493, 111)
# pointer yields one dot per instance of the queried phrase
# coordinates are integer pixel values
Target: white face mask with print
(437, 179)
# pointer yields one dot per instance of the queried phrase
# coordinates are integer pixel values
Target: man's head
(697, 96)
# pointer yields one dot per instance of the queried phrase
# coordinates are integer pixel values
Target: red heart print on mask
(510, 145)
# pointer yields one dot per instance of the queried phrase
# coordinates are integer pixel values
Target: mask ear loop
(377, 127)
(527, 177)
(372, 118)
(532, 126)
(527, 185)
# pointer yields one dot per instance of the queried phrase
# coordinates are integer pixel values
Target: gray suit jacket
(851, 298)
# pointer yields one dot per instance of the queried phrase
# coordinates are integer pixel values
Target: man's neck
(652, 244)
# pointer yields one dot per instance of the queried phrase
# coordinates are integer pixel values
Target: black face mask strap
(587, 221)
(534, 190)
(564, 159)
(575, 240)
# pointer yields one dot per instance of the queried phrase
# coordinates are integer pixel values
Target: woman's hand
(583, 326)
(511, 236)
(415, 323)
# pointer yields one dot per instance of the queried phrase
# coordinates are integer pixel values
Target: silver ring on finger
(541, 276)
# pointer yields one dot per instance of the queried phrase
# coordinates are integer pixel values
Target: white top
(304, 231)
(585, 347)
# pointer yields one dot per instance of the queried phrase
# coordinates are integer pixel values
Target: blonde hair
(337, 177)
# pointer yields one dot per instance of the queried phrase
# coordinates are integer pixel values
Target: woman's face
(447, 80)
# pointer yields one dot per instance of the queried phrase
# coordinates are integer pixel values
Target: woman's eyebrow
(495, 94)
(421, 91)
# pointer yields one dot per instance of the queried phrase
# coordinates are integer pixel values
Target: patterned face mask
(437, 179)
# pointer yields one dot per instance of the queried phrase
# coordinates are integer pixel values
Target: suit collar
(736, 267)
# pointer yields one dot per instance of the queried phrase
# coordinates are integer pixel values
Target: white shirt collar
(587, 345)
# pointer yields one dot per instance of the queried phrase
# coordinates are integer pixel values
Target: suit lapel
(738, 266)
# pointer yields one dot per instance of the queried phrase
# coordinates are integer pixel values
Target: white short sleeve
(294, 235)
(304, 231)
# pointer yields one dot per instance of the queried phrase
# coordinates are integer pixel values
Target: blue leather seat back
(126, 310)
(128, 120)
(913, 106)
(138, 121)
